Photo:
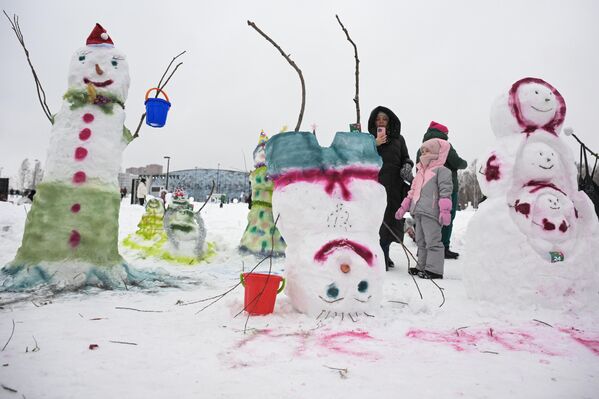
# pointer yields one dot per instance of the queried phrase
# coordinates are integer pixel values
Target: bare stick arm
(160, 86)
(357, 96)
(41, 94)
(292, 63)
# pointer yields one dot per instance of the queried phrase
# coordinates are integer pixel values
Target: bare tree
(292, 63)
(469, 189)
(24, 174)
(38, 173)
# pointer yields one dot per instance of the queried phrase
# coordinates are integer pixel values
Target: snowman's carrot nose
(99, 70)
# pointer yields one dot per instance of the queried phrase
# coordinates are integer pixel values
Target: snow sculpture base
(502, 267)
(331, 207)
(66, 276)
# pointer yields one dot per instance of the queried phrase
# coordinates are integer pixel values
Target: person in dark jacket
(453, 163)
(395, 174)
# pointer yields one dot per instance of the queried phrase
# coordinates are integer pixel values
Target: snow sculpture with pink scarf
(330, 207)
(536, 238)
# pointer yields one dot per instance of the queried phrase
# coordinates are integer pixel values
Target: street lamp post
(217, 178)
(168, 164)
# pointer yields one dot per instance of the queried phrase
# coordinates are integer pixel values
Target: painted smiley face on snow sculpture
(331, 206)
(538, 162)
(536, 104)
(102, 67)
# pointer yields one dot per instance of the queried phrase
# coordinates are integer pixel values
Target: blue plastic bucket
(156, 109)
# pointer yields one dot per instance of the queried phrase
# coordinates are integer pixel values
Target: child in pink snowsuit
(429, 203)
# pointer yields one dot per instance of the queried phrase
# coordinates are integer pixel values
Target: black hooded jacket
(395, 154)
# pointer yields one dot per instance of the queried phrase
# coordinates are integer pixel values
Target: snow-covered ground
(150, 346)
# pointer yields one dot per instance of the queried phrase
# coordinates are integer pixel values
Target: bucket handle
(281, 288)
(159, 91)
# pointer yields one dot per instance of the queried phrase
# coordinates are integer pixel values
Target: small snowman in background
(184, 228)
(535, 239)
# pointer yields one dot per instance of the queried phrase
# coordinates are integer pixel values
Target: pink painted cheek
(75, 238)
(88, 118)
(76, 208)
(80, 153)
(84, 134)
(79, 177)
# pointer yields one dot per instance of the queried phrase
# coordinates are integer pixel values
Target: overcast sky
(426, 60)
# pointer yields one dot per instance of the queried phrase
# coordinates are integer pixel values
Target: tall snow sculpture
(71, 233)
(535, 240)
(261, 232)
(331, 207)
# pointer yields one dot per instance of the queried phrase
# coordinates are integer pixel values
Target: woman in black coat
(395, 174)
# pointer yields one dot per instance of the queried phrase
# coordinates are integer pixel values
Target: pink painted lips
(330, 247)
(98, 84)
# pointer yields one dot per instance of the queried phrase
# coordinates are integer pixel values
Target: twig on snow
(9, 338)
(123, 342)
(542, 322)
(342, 372)
(138, 310)
(8, 388)
(403, 303)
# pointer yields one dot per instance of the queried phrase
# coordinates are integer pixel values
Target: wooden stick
(138, 310)
(123, 342)
(9, 338)
(357, 96)
(292, 63)
(207, 199)
(168, 67)
(41, 94)
(160, 87)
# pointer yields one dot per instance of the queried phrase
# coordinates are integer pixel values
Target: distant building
(197, 183)
(126, 180)
(152, 169)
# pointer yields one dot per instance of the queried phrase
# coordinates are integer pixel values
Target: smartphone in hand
(380, 131)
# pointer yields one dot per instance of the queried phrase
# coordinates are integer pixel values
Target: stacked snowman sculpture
(535, 237)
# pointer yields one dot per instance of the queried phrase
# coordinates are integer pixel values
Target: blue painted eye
(81, 58)
(114, 63)
(363, 286)
(332, 291)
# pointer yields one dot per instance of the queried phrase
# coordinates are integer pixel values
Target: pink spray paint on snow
(341, 342)
(463, 340)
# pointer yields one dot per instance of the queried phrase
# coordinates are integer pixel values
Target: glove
(445, 211)
(406, 172)
(405, 206)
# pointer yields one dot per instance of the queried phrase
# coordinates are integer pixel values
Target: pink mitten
(405, 206)
(445, 211)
